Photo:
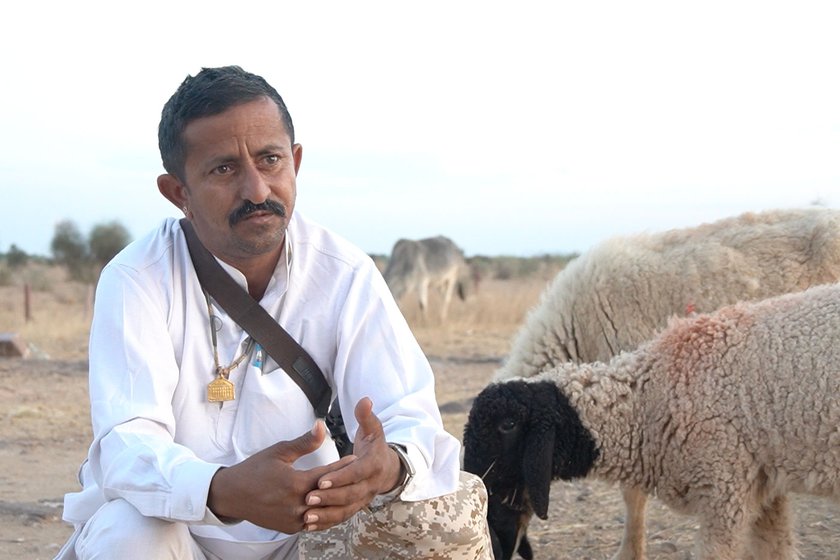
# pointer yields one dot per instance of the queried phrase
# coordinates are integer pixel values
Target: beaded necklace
(221, 388)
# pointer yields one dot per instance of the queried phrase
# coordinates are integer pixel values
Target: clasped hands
(268, 491)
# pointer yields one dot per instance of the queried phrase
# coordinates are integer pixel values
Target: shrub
(69, 248)
(106, 240)
(16, 257)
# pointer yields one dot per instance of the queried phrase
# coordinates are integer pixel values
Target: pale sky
(515, 128)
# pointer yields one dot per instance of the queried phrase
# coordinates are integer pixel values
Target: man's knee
(453, 526)
(118, 530)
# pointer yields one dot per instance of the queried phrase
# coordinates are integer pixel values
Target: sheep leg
(772, 532)
(724, 534)
(633, 541)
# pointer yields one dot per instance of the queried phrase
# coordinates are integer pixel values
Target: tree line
(84, 256)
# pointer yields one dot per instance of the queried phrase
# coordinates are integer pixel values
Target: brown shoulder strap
(250, 315)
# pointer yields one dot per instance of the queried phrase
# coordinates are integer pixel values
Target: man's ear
(297, 154)
(174, 190)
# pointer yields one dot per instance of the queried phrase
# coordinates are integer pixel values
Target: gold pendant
(220, 390)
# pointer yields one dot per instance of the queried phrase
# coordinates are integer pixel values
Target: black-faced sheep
(618, 294)
(720, 416)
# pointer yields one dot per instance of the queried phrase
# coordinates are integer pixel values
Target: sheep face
(519, 436)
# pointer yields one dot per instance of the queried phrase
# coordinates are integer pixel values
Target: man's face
(239, 176)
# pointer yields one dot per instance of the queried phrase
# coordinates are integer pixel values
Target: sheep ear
(537, 467)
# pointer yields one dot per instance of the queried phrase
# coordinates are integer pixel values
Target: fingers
(369, 425)
(331, 468)
(355, 493)
(329, 508)
(354, 482)
(291, 451)
(319, 429)
(319, 519)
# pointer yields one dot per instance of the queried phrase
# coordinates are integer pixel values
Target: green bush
(106, 240)
(84, 259)
(16, 257)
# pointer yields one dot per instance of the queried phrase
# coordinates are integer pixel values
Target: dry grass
(59, 312)
(59, 321)
(494, 303)
(486, 319)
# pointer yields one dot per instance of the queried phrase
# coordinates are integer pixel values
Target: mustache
(249, 207)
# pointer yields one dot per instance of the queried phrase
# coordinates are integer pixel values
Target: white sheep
(720, 416)
(621, 292)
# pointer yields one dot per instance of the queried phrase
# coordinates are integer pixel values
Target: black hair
(210, 92)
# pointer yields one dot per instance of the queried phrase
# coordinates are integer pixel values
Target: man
(178, 470)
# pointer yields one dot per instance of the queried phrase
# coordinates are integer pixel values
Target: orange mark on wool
(688, 341)
(693, 344)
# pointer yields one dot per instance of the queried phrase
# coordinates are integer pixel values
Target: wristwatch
(407, 469)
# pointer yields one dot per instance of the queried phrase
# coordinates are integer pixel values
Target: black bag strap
(250, 315)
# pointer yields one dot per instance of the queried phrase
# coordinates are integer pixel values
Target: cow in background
(417, 265)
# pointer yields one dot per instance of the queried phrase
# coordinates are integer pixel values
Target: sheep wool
(622, 291)
(720, 415)
(619, 293)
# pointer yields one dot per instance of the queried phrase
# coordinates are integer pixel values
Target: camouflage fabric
(450, 527)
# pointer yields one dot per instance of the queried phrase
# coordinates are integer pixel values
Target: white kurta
(158, 441)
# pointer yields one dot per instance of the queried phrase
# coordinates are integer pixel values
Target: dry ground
(45, 428)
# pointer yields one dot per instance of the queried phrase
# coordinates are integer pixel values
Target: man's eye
(223, 169)
(272, 159)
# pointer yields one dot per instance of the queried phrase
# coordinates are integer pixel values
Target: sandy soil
(45, 431)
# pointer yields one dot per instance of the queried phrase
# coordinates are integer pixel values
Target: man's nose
(254, 185)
